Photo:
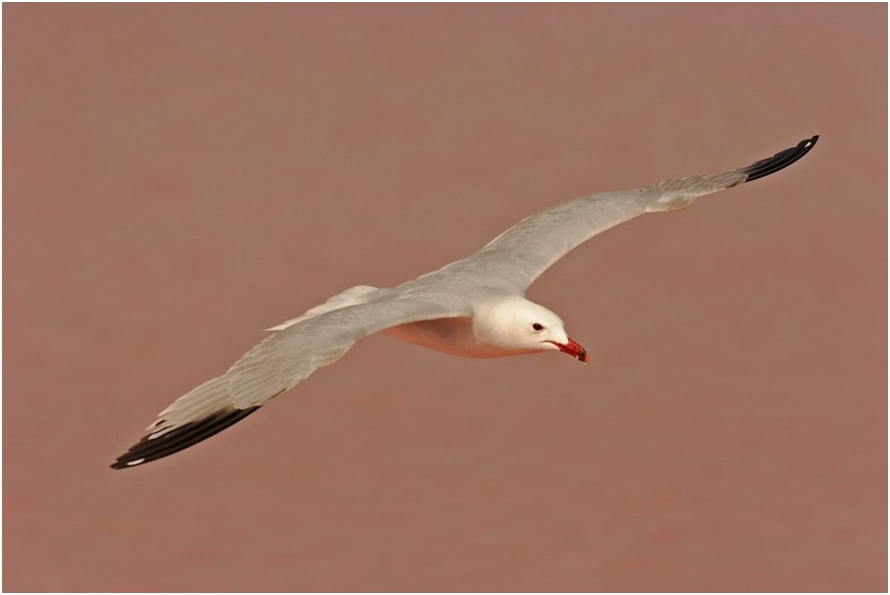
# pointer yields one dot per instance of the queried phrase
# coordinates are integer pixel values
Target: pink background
(177, 178)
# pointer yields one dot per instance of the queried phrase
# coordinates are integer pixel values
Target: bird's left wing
(280, 362)
(513, 260)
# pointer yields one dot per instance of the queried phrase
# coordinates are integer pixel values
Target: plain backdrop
(178, 177)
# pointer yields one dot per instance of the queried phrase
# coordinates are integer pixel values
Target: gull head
(516, 325)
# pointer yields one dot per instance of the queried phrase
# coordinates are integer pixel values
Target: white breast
(448, 335)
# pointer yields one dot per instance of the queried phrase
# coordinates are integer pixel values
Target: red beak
(573, 349)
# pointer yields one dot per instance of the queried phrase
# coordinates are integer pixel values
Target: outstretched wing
(517, 257)
(280, 362)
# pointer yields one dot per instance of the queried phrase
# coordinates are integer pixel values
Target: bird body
(497, 328)
(474, 307)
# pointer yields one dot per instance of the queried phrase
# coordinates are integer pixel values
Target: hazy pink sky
(178, 177)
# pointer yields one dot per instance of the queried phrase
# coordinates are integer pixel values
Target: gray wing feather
(278, 363)
(513, 260)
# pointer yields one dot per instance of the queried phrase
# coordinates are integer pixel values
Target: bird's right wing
(513, 260)
(275, 365)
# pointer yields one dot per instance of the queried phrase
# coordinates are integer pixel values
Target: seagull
(474, 307)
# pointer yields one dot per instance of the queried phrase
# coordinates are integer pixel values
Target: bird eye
(538, 327)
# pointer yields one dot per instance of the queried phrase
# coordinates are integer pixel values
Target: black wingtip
(151, 449)
(781, 160)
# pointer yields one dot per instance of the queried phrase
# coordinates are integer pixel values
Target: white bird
(475, 307)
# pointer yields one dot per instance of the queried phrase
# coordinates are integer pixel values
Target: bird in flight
(475, 307)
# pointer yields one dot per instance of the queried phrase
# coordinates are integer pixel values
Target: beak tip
(573, 349)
